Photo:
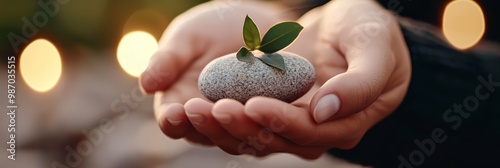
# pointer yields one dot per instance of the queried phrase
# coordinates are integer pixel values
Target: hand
(364, 83)
(191, 41)
(364, 67)
(364, 71)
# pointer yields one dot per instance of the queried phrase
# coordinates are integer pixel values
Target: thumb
(175, 52)
(164, 68)
(368, 70)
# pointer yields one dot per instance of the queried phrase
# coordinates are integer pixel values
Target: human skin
(363, 72)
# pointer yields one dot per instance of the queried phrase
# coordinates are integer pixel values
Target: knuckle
(365, 92)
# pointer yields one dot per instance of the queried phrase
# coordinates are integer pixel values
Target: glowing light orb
(40, 65)
(463, 23)
(134, 51)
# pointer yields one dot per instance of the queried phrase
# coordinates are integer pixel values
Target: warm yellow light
(134, 51)
(463, 23)
(41, 65)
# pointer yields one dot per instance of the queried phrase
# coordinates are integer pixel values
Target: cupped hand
(190, 42)
(362, 67)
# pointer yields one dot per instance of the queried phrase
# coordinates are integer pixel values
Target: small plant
(276, 38)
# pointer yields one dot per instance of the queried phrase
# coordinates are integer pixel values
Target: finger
(346, 132)
(291, 122)
(370, 64)
(295, 124)
(168, 63)
(180, 45)
(172, 120)
(230, 114)
(174, 123)
(199, 113)
(196, 138)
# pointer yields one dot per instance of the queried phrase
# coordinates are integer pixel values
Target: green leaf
(280, 36)
(251, 34)
(244, 55)
(274, 60)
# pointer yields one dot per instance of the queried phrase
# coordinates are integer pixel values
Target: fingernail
(223, 118)
(174, 122)
(326, 107)
(196, 118)
(171, 113)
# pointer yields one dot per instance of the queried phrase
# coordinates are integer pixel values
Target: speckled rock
(226, 77)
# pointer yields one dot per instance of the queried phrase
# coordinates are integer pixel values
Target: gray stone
(226, 77)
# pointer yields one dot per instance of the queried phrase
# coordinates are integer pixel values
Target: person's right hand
(189, 43)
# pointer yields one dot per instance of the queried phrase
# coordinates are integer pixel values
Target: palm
(216, 40)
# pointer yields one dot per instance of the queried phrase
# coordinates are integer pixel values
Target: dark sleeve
(450, 116)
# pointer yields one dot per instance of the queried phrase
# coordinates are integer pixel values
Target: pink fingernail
(197, 119)
(326, 107)
(171, 112)
(174, 122)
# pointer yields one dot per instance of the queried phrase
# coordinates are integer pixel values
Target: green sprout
(276, 38)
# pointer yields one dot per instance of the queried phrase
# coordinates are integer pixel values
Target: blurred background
(76, 86)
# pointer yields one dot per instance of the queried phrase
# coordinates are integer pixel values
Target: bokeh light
(41, 65)
(463, 23)
(134, 51)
